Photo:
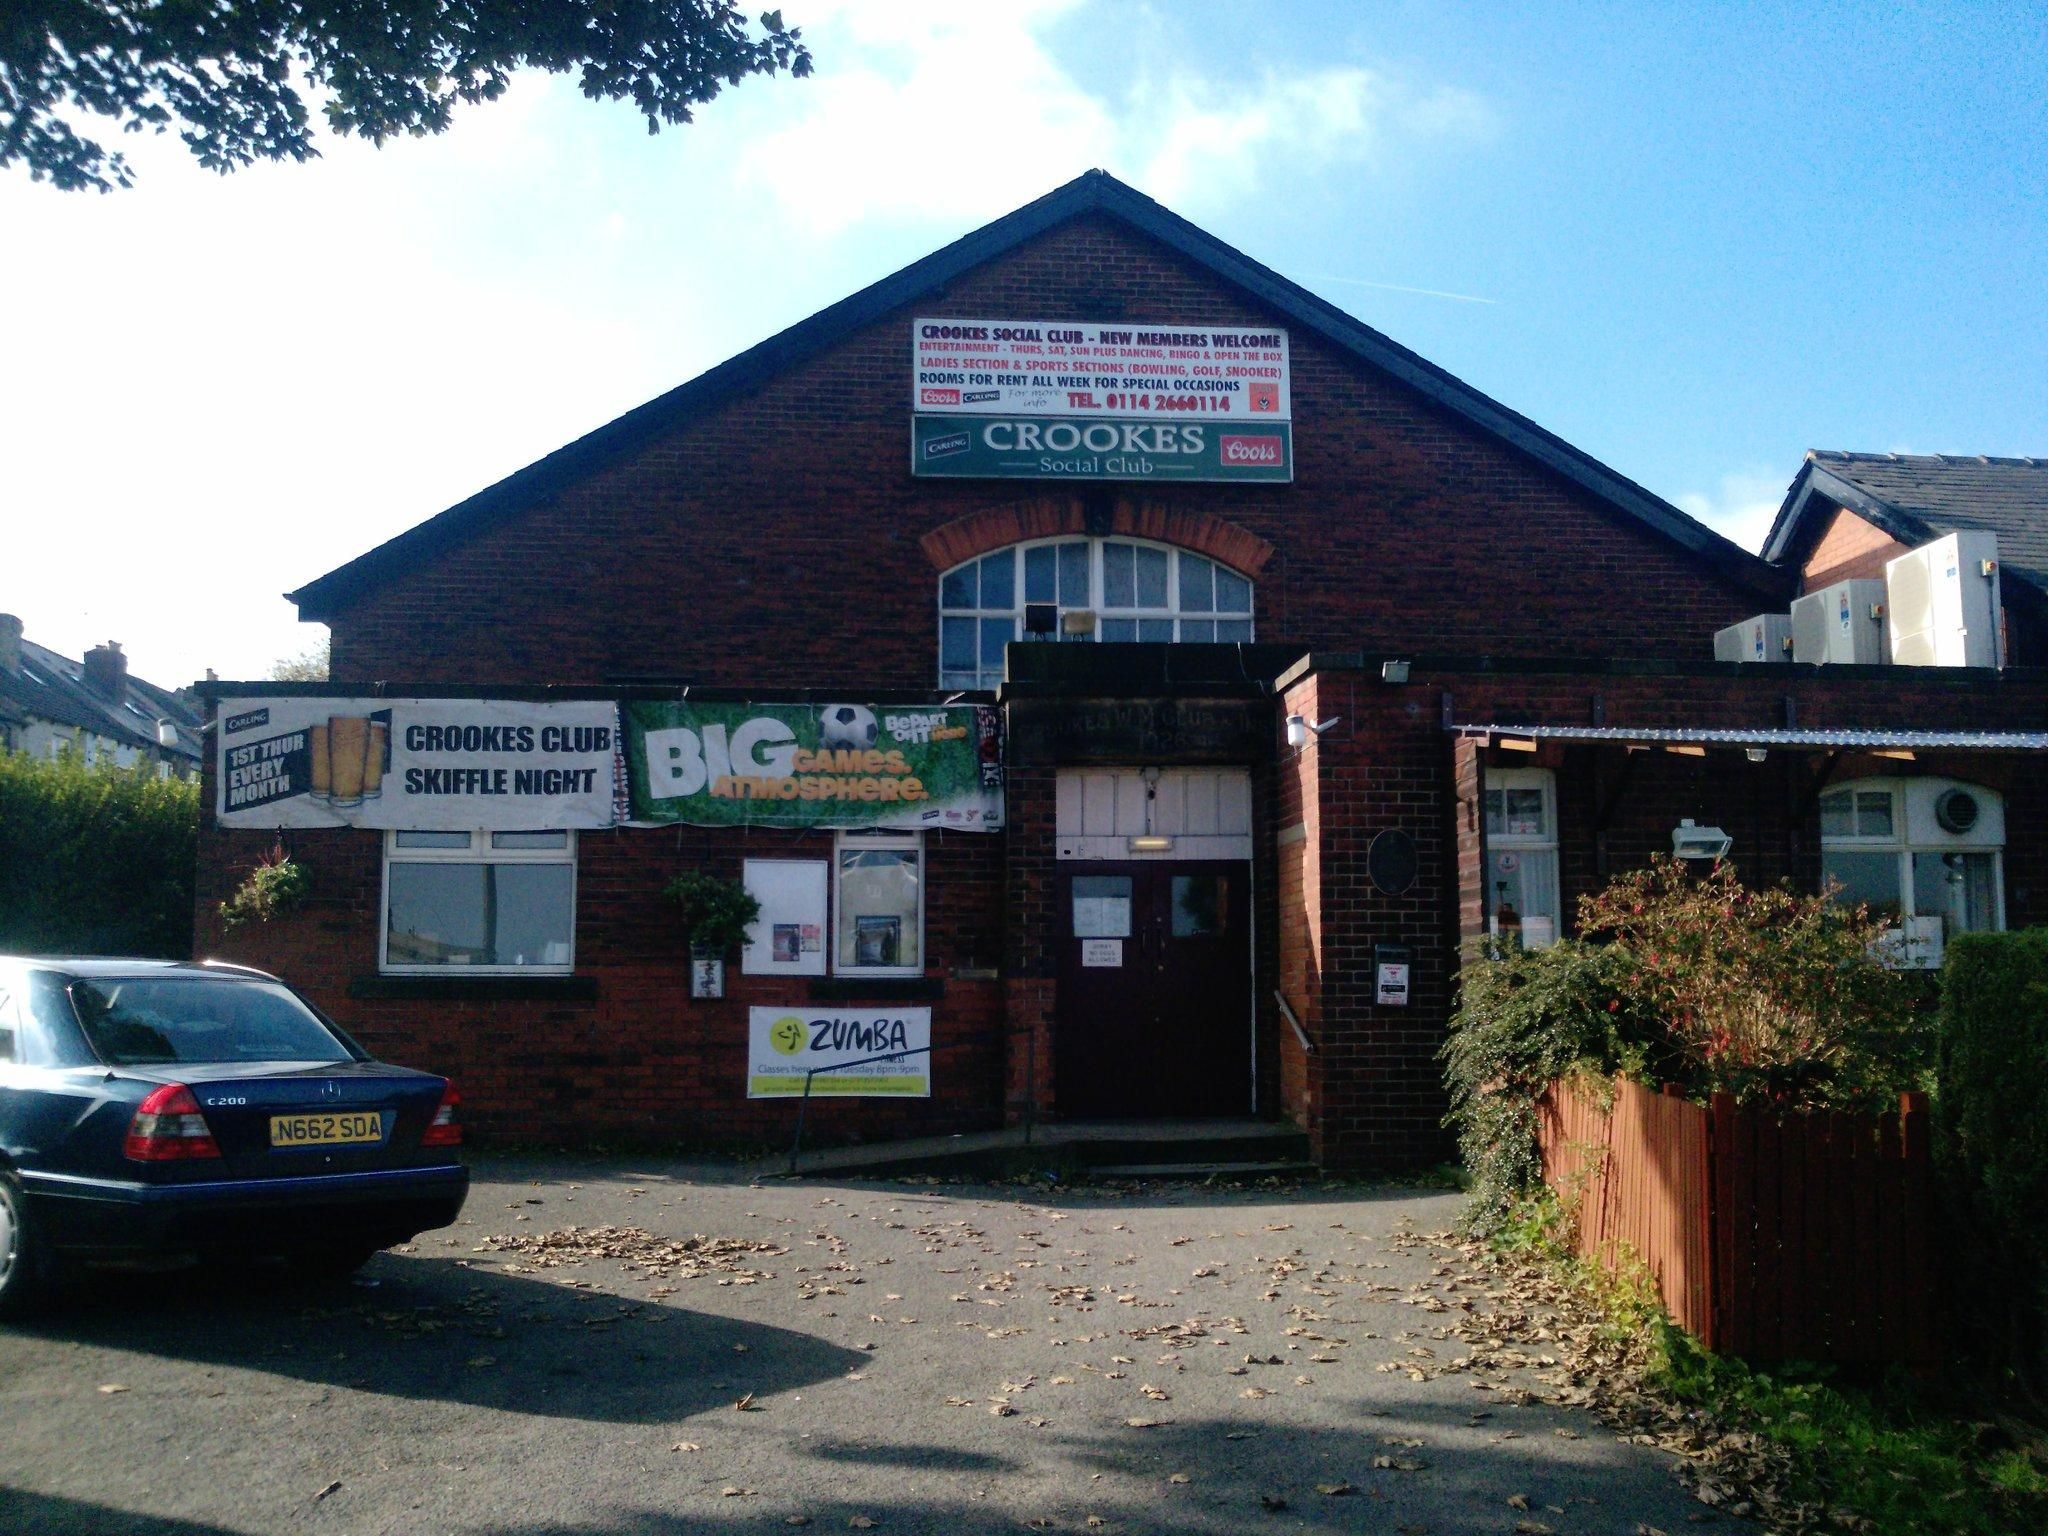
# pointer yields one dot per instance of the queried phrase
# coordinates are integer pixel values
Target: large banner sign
(415, 764)
(807, 765)
(785, 1044)
(1056, 399)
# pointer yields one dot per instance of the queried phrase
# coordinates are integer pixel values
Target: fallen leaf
(686, 1445)
(860, 1522)
(333, 1487)
(796, 1520)
(1178, 1477)
(1335, 1490)
(1144, 1423)
(1534, 1528)
(747, 1405)
(730, 1492)
(112, 1387)
(1518, 1501)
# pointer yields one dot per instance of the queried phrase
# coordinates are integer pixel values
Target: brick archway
(993, 528)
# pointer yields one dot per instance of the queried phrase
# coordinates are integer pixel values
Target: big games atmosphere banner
(416, 764)
(810, 765)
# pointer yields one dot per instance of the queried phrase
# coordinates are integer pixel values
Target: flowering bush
(1687, 979)
(273, 889)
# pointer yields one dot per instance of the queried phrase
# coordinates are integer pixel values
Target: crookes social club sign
(415, 764)
(1063, 400)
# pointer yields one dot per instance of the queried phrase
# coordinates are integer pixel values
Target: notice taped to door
(1102, 952)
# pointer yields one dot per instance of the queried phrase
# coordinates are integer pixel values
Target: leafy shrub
(273, 889)
(1991, 1114)
(716, 912)
(95, 860)
(1678, 978)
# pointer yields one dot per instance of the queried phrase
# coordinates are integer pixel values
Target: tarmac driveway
(928, 1358)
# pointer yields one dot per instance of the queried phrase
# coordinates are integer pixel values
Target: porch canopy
(1820, 740)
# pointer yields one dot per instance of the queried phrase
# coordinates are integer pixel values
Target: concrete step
(1259, 1170)
(1191, 1148)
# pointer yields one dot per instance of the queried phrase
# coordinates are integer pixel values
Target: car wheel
(332, 1261)
(20, 1261)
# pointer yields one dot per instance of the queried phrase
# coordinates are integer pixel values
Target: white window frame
(858, 840)
(1171, 613)
(480, 850)
(1916, 952)
(1505, 779)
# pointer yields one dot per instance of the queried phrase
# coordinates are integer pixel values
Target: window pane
(1524, 813)
(1039, 575)
(1874, 813)
(480, 914)
(1838, 814)
(878, 890)
(1863, 877)
(1233, 592)
(433, 840)
(960, 679)
(995, 634)
(956, 589)
(1197, 631)
(1155, 631)
(1960, 888)
(1234, 629)
(1119, 585)
(529, 839)
(1102, 906)
(1119, 629)
(1152, 578)
(956, 644)
(1495, 814)
(999, 580)
(1201, 905)
(1197, 585)
(1073, 575)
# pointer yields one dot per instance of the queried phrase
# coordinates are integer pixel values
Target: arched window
(1926, 853)
(1082, 589)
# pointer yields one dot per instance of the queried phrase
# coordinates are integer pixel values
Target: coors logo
(938, 397)
(1243, 448)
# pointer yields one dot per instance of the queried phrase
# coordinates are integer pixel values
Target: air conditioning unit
(1766, 637)
(1841, 623)
(1942, 603)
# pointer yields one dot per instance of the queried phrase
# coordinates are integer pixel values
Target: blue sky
(1695, 241)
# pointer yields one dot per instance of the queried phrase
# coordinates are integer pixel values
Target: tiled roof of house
(1915, 497)
(54, 688)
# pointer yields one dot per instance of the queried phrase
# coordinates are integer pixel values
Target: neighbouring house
(1110, 666)
(50, 704)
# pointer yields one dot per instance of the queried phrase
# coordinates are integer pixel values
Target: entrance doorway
(1154, 1015)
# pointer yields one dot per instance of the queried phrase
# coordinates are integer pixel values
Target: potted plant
(274, 888)
(716, 916)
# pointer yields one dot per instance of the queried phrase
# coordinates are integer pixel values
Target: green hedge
(95, 860)
(1991, 1112)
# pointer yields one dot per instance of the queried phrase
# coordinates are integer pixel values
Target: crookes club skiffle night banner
(416, 764)
(811, 765)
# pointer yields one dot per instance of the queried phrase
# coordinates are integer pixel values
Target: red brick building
(1376, 664)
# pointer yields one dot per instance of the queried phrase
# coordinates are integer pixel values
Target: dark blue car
(153, 1112)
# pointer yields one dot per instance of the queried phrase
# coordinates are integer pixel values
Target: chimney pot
(106, 671)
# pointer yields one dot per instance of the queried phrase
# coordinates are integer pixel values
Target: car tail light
(168, 1126)
(444, 1130)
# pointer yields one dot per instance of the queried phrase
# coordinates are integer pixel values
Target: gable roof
(1915, 497)
(53, 688)
(1095, 192)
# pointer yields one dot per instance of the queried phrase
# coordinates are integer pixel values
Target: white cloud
(909, 120)
(1742, 508)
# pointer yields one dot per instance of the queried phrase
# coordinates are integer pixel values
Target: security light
(1689, 841)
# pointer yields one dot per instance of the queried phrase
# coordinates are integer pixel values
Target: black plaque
(1391, 862)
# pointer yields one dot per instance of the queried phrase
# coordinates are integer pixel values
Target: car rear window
(146, 1020)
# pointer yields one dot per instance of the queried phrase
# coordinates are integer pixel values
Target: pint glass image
(348, 745)
(373, 760)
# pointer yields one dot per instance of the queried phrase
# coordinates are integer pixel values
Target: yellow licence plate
(329, 1130)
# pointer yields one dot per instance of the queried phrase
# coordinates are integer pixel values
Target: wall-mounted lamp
(1149, 842)
(1690, 841)
(1077, 621)
(1300, 728)
(1393, 671)
(1755, 754)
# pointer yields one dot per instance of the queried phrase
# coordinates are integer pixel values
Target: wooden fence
(1796, 1237)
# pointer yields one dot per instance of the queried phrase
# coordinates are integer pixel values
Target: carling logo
(1243, 448)
(938, 397)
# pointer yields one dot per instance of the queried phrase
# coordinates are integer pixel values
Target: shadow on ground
(434, 1329)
